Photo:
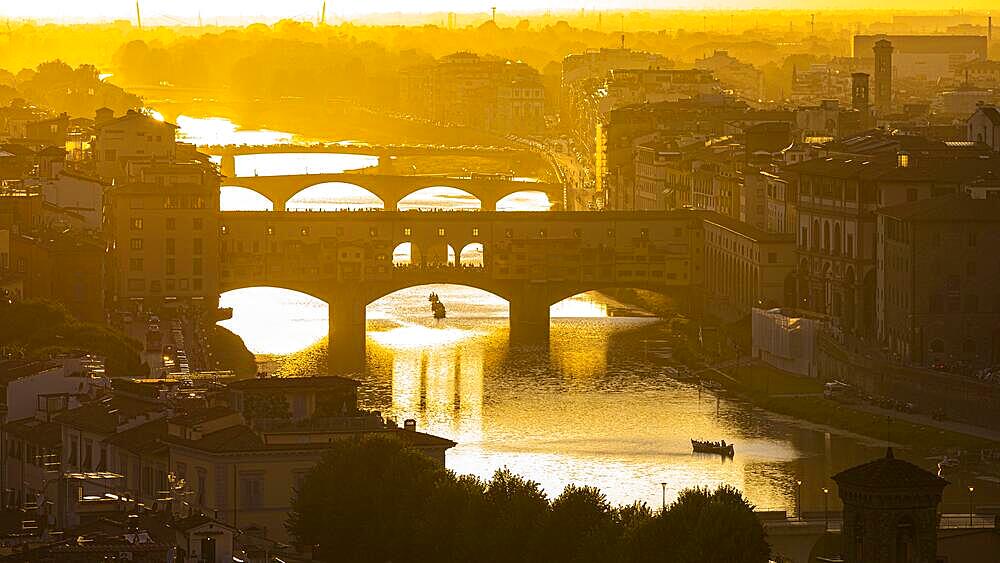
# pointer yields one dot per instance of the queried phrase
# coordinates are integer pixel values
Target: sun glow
(419, 336)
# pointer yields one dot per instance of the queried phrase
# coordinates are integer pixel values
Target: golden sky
(308, 9)
(103, 9)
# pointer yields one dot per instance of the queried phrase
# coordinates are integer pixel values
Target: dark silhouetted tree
(516, 511)
(581, 527)
(367, 500)
(704, 526)
(40, 329)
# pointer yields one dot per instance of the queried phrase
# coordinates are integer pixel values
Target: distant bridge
(518, 159)
(367, 149)
(393, 188)
(532, 260)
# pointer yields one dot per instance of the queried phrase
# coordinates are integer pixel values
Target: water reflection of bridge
(391, 189)
(532, 260)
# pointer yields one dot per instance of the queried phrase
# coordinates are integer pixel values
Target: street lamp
(664, 502)
(798, 499)
(971, 489)
(826, 509)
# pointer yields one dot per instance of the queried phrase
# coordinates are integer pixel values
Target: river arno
(594, 407)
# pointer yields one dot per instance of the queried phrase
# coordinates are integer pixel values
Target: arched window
(815, 235)
(826, 236)
(836, 239)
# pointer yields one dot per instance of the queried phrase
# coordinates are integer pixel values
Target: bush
(375, 499)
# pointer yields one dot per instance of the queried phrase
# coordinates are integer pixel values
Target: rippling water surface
(596, 406)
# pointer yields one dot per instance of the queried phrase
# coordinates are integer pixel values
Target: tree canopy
(77, 91)
(376, 499)
(39, 329)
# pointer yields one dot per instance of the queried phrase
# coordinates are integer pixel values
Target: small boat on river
(437, 307)
(718, 448)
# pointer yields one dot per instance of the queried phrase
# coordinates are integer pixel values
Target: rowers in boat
(720, 448)
(437, 307)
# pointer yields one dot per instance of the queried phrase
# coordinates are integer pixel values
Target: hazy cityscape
(434, 281)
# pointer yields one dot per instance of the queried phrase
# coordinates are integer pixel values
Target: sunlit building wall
(123, 145)
(164, 233)
(746, 267)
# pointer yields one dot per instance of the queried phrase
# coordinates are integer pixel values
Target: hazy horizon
(160, 12)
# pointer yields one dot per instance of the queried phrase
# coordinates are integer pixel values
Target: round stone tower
(890, 512)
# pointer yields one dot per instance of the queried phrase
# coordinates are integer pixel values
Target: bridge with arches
(227, 152)
(532, 260)
(391, 189)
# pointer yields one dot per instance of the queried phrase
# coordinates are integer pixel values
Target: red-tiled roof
(143, 439)
(957, 207)
(40, 432)
(243, 439)
(105, 415)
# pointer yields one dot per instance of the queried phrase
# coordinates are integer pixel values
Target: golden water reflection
(565, 415)
(590, 408)
(203, 131)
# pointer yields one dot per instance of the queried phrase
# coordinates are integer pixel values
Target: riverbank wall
(961, 398)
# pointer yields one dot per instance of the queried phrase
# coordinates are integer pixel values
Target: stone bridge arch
(480, 282)
(565, 291)
(316, 291)
(529, 187)
(229, 206)
(417, 188)
(391, 189)
(338, 185)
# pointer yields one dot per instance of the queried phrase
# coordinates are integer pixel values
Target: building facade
(746, 267)
(984, 127)
(937, 301)
(925, 57)
(164, 233)
(837, 200)
(125, 144)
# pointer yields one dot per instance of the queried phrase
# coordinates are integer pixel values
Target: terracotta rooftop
(958, 207)
(143, 439)
(243, 439)
(105, 415)
(40, 432)
(201, 415)
(132, 114)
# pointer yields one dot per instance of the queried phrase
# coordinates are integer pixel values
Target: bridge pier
(529, 317)
(228, 165)
(346, 342)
